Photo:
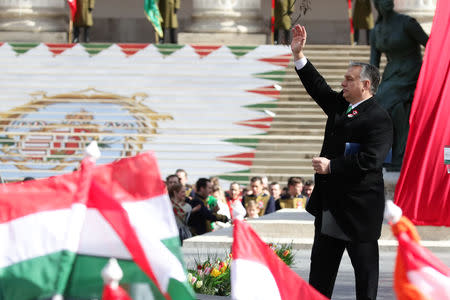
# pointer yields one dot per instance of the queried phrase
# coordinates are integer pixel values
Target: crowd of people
(205, 206)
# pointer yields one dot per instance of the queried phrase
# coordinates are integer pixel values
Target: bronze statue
(399, 37)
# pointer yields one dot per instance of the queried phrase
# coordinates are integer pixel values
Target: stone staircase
(166, 98)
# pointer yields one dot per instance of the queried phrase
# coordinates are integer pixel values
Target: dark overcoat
(167, 9)
(283, 10)
(362, 15)
(354, 191)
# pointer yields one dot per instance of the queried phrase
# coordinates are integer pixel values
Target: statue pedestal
(34, 21)
(225, 22)
(421, 10)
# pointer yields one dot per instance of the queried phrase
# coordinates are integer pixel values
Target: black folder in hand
(351, 148)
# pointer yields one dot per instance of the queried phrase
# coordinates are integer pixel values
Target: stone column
(421, 10)
(34, 21)
(238, 21)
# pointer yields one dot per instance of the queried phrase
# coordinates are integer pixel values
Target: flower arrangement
(284, 251)
(212, 276)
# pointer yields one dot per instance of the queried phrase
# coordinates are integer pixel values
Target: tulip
(193, 279)
(199, 284)
(215, 272)
(286, 252)
(207, 270)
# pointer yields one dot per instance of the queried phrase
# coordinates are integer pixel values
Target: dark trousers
(76, 34)
(326, 257)
(170, 36)
(281, 38)
(356, 36)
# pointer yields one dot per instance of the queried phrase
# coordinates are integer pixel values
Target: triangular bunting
(281, 60)
(241, 50)
(245, 159)
(264, 105)
(58, 48)
(269, 91)
(21, 48)
(167, 49)
(249, 142)
(204, 50)
(272, 75)
(93, 49)
(263, 123)
(238, 176)
(131, 49)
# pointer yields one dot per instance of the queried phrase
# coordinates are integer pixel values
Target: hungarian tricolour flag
(258, 273)
(419, 275)
(57, 234)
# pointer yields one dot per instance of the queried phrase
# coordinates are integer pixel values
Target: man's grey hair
(368, 72)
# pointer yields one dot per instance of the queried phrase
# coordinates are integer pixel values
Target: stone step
(297, 227)
(304, 147)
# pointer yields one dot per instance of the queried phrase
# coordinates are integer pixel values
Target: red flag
(423, 189)
(115, 293)
(46, 222)
(256, 265)
(419, 275)
(73, 8)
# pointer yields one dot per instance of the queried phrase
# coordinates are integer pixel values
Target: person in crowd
(201, 219)
(181, 209)
(222, 206)
(275, 192)
(399, 37)
(265, 184)
(168, 10)
(308, 188)
(83, 19)
(264, 201)
(183, 176)
(214, 180)
(234, 201)
(253, 209)
(283, 11)
(171, 180)
(293, 198)
(348, 198)
(362, 19)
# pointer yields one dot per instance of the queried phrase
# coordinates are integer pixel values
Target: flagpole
(272, 23)
(350, 18)
(70, 30)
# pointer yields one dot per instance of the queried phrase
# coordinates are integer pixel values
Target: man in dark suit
(348, 198)
(200, 220)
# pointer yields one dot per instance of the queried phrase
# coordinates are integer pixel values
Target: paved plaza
(344, 288)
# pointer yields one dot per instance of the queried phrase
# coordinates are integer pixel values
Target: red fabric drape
(73, 8)
(423, 189)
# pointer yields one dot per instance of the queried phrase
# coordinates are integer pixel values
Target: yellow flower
(199, 284)
(215, 272)
(224, 267)
(286, 252)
